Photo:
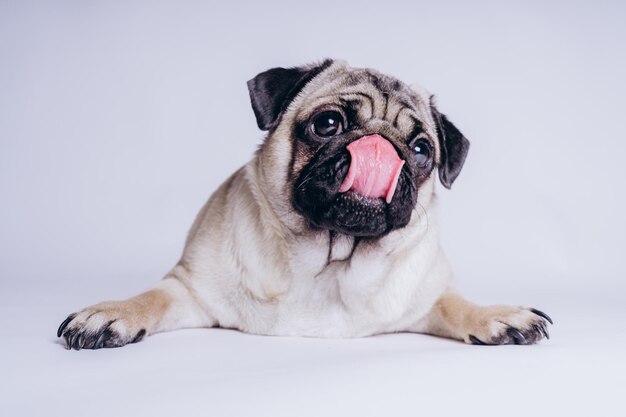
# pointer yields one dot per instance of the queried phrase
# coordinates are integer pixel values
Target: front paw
(104, 325)
(502, 325)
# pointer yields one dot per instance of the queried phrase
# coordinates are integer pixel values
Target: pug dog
(328, 231)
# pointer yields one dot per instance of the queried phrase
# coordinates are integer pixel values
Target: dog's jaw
(318, 197)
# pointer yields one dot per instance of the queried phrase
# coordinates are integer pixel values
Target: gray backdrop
(118, 120)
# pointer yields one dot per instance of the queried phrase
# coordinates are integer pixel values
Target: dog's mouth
(374, 168)
(362, 189)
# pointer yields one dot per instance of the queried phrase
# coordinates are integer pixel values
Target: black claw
(476, 341)
(65, 323)
(69, 339)
(111, 339)
(538, 330)
(518, 337)
(104, 336)
(99, 341)
(88, 341)
(541, 328)
(139, 336)
(80, 342)
(542, 314)
(545, 329)
(75, 341)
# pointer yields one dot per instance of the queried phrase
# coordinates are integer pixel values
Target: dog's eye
(328, 123)
(422, 152)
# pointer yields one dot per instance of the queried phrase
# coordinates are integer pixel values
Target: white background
(118, 120)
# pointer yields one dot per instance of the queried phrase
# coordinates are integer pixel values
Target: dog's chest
(344, 288)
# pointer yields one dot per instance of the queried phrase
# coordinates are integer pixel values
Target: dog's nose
(374, 168)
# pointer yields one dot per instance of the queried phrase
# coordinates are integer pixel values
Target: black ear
(272, 91)
(454, 147)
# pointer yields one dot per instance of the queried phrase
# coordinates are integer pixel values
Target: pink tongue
(374, 169)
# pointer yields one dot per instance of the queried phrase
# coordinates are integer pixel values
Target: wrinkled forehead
(371, 94)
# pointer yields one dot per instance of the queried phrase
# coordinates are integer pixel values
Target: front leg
(168, 306)
(454, 317)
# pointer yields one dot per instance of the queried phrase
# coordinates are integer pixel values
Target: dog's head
(351, 149)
